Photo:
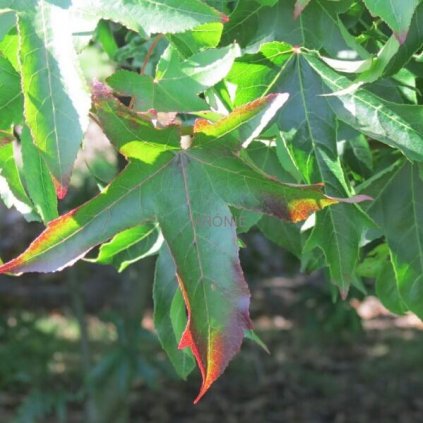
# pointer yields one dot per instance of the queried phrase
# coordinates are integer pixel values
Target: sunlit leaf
(177, 82)
(185, 190)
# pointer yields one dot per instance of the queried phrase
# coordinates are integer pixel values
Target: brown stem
(150, 51)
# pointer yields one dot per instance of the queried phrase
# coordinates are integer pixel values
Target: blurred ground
(345, 362)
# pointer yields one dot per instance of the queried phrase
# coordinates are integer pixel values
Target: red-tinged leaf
(242, 125)
(188, 192)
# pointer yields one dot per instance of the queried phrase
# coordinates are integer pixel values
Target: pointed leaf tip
(343, 292)
(61, 190)
(401, 36)
(300, 5)
(224, 18)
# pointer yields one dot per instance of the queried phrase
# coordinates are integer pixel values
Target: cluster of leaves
(299, 105)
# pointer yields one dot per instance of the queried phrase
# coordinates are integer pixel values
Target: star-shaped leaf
(309, 128)
(188, 192)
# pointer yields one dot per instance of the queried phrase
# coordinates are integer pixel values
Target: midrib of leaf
(376, 198)
(323, 10)
(224, 169)
(48, 68)
(279, 73)
(10, 101)
(176, 100)
(106, 209)
(200, 263)
(254, 12)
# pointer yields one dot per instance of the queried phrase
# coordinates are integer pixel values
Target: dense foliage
(302, 119)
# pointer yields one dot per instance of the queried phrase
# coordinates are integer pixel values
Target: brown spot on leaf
(276, 207)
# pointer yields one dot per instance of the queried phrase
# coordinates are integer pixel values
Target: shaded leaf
(364, 112)
(377, 265)
(37, 178)
(252, 24)
(170, 317)
(12, 191)
(11, 105)
(286, 235)
(7, 22)
(310, 126)
(398, 209)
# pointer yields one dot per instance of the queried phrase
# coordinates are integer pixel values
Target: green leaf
(377, 265)
(11, 105)
(356, 150)
(311, 126)
(182, 189)
(170, 317)
(130, 246)
(177, 82)
(411, 45)
(398, 209)
(387, 289)
(243, 220)
(12, 191)
(106, 38)
(380, 62)
(56, 100)
(252, 336)
(252, 24)
(7, 22)
(285, 234)
(300, 5)
(202, 37)
(396, 14)
(364, 112)
(37, 179)
(147, 16)
(9, 48)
